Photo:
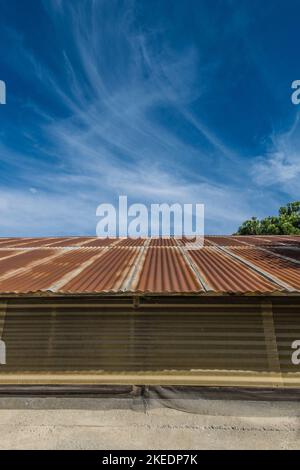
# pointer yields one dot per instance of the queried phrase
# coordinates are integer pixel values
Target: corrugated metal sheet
(226, 264)
(90, 339)
(99, 242)
(225, 241)
(163, 242)
(13, 263)
(42, 276)
(84, 310)
(31, 242)
(73, 241)
(287, 241)
(256, 240)
(289, 252)
(287, 271)
(208, 341)
(184, 241)
(14, 242)
(105, 274)
(5, 253)
(166, 271)
(132, 242)
(224, 274)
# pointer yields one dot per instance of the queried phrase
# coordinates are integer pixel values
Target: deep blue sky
(162, 100)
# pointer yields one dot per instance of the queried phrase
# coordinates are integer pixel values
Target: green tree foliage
(286, 223)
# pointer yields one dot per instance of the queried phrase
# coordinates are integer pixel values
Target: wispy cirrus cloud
(280, 166)
(115, 107)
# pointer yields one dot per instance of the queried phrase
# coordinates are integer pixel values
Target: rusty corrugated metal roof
(90, 265)
(257, 240)
(40, 276)
(225, 241)
(98, 242)
(106, 273)
(287, 251)
(286, 270)
(21, 260)
(225, 274)
(6, 253)
(165, 270)
(163, 242)
(132, 241)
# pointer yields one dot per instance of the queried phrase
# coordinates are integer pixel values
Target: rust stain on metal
(100, 242)
(163, 242)
(8, 253)
(12, 264)
(289, 252)
(182, 241)
(30, 242)
(77, 271)
(226, 264)
(136, 269)
(224, 241)
(14, 242)
(3, 241)
(255, 240)
(190, 261)
(287, 271)
(41, 276)
(132, 241)
(166, 271)
(224, 274)
(76, 241)
(106, 273)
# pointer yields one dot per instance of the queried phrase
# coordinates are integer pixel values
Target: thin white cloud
(110, 82)
(280, 167)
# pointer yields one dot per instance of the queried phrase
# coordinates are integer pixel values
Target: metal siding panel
(51, 340)
(220, 343)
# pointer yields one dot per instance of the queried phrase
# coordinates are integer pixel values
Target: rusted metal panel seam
(244, 243)
(195, 270)
(56, 286)
(15, 272)
(278, 255)
(253, 266)
(82, 244)
(20, 252)
(132, 278)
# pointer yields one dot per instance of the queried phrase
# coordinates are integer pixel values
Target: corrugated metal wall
(213, 341)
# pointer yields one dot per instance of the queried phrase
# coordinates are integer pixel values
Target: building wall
(210, 340)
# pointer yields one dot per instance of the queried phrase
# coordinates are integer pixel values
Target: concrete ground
(114, 423)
